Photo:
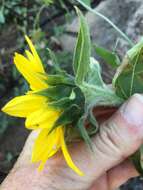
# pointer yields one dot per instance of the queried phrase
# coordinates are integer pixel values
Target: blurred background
(54, 24)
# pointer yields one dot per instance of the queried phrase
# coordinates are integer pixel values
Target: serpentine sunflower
(34, 107)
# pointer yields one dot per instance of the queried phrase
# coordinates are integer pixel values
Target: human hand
(119, 137)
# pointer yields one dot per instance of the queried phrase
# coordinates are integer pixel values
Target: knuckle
(111, 142)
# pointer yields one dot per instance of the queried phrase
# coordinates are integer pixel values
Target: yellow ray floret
(36, 59)
(46, 145)
(22, 106)
(67, 155)
(31, 67)
(47, 118)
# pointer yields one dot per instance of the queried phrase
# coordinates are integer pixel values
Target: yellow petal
(42, 118)
(35, 54)
(22, 106)
(28, 70)
(33, 62)
(67, 156)
(29, 55)
(45, 145)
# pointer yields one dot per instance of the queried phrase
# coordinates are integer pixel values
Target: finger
(115, 177)
(120, 174)
(26, 153)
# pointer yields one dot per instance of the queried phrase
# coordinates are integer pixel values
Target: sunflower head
(56, 104)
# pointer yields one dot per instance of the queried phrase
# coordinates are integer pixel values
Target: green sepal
(56, 92)
(68, 116)
(61, 104)
(72, 134)
(57, 79)
(83, 132)
(94, 126)
(76, 97)
(109, 57)
(137, 160)
(82, 51)
(60, 79)
(79, 99)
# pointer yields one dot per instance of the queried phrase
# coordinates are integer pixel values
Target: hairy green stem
(124, 36)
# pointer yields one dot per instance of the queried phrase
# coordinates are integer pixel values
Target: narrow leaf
(137, 160)
(94, 124)
(83, 132)
(82, 51)
(109, 57)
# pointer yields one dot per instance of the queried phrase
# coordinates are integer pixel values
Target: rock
(127, 15)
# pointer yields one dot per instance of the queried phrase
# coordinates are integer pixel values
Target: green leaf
(129, 76)
(82, 51)
(94, 75)
(87, 2)
(137, 160)
(83, 132)
(109, 57)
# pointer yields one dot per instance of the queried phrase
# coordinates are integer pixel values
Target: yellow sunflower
(34, 108)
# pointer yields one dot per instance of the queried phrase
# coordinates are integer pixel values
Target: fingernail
(132, 110)
(139, 97)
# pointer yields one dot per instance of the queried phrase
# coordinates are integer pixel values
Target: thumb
(120, 136)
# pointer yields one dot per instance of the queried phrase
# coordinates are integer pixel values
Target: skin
(119, 137)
